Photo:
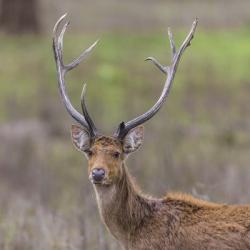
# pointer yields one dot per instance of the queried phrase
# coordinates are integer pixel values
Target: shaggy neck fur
(175, 222)
(122, 207)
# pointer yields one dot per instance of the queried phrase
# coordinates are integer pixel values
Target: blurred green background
(198, 143)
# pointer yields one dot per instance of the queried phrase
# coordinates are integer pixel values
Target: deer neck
(122, 207)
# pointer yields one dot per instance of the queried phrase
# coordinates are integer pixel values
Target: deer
(138, 221)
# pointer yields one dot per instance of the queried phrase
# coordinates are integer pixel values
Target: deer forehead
(107, 144)
(103, 147)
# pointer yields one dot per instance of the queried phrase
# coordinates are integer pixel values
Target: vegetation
(199, 143)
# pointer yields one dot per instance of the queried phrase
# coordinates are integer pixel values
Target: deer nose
(98, 174)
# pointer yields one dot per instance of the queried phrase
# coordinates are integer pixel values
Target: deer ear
(80, 138)
(133, 140)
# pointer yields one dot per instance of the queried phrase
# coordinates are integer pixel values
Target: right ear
(133, 140)
(80, 137)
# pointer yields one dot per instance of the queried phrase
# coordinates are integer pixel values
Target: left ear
(80, 138)
(133, 140)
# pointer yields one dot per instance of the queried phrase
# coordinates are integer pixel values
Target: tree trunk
(19, 16)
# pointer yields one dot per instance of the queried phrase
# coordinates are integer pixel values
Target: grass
(199, 142)
(117, 65)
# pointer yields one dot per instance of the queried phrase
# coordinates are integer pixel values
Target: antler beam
(170, 71)
(85, 119)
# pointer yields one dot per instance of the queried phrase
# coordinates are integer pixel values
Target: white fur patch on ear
(80, 137)
(133, 139)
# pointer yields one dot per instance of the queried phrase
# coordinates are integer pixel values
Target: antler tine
(170, 71)
(83, 55)
(85, 111)
(172, 44)
(62, 69)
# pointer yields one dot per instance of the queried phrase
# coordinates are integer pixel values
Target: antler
(85, 119)
(170, 71)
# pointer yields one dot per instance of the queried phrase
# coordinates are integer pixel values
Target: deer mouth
(104, 182)
(97, 182)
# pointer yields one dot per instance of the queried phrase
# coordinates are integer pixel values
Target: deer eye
(116, 154)
(89, 152)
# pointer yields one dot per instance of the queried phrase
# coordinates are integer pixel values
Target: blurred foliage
(116, 68)
(198, 143)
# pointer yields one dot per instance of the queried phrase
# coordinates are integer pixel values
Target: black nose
(98, 174)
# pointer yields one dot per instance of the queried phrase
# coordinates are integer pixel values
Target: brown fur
(177, 221)
(139, 222)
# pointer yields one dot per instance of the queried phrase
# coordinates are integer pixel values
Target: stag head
(106, 154)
